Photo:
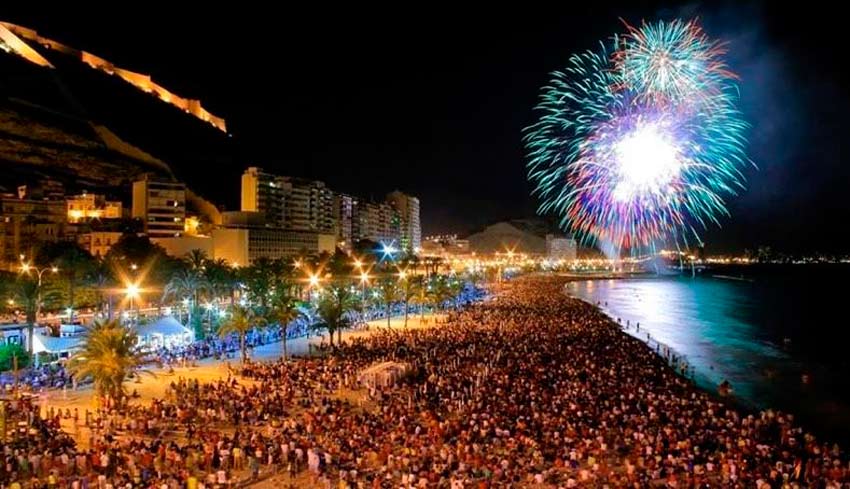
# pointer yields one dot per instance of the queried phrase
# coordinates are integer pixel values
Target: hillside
(73, 116)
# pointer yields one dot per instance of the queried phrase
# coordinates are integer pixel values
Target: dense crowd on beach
(528, 388)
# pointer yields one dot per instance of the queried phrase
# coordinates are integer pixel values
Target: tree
(8, 354)
(108, 354)
(74, 265)
(440, 291)
(220, 278)
(335, 305)
(260, 279)
(455, 287)
(389, 294)
(131, 248)
(185, 284)
(240, 321)
(196, 259)
(407, 292)
(421, 296)
(284, 309)
(100, 278)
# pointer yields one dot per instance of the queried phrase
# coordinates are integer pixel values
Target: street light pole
(26, 268)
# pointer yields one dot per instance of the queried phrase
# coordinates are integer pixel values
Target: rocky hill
(75, 117)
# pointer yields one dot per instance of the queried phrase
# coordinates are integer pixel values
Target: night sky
(433, 99)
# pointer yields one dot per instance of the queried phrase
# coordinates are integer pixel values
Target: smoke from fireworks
(640, 141)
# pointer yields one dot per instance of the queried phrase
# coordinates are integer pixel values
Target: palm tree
(440, 291)
(389, 294)
(99, 278)
(260, 278)
(455, 288)
(407, 292)
(240, 321)
(220, 277)
(107, 355)
(74, 265)
(335, 304)
(196, 259)
(284, 309)
(185, 284)
(421, 296)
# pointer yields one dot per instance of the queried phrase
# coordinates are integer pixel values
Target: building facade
(408, 210)
(561, 248)
(179, 246)
(309, 206)
(243, 246)
(26, 223)
(264, 193)
(98, 243)
(290, 203)
(378, 222)
(344, 206)
(86, 206)
(161, 206)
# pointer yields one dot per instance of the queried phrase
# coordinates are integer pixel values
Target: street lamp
(314, 280)
(27, 268)
(132, 292)
(364, 280)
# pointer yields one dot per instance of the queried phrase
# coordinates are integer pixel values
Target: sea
(777, 333)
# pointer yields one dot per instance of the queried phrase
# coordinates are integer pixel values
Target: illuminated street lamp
(388, 251)
(27, 268)
(314, 280)
(132, 291)
(364, 280)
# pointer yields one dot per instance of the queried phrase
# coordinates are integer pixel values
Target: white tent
(165, 331)
(52, 344)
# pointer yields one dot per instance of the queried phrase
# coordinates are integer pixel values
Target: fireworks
(640, 141)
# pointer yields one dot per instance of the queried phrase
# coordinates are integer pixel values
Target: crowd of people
(530, 388)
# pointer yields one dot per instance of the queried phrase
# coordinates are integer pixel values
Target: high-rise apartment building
(378, 222)
(264, 193)
(161, 205)
(344, 207)
(408, 210)
(290, 203)
(308, 206)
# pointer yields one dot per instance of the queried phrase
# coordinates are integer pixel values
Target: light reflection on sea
(736, 331)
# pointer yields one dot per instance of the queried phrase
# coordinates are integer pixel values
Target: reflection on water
(735, 331)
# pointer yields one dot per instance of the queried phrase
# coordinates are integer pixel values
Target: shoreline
(822, 432)
(732, 400)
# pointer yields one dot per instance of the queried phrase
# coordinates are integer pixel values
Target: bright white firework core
(647, 161)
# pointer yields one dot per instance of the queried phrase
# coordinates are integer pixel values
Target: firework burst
(639, 141)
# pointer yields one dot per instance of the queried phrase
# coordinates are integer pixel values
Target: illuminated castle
(13, 39)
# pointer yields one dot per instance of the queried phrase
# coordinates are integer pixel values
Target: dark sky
(432, 99)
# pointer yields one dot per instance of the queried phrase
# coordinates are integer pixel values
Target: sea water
(778, 334)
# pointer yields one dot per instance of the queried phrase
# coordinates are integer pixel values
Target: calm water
(736, 330)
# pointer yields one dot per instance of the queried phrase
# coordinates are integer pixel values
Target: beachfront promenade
(530, 389)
